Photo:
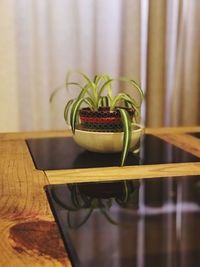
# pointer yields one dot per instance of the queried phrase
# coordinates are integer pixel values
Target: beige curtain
(55, 36)
(156, 63)
(9, 104)
(186, 97)
(173, 63)
(155, 42)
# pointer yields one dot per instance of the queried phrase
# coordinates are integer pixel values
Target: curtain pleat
(160, 50)
(156, 64)
(9, 105)
(186, 97)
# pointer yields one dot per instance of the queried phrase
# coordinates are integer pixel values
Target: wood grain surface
(29, 235)
(120, 173)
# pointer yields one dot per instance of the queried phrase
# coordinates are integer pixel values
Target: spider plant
(97, 93)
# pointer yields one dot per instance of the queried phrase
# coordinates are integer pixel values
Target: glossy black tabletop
(64, 153)
(197, 135)
(142, 223)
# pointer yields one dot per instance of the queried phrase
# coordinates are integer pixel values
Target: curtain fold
(186, 98)
(154, 42)
(9, 105)
(131, 43)
(173, 53)
(56, 36)
(156, 64)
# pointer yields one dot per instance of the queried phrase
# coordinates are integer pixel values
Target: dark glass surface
(64, 153)
(104, 225)
(196, 135)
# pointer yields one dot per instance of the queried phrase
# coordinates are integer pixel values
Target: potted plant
(97, 110)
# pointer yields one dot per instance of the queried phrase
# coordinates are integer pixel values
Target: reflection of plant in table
(101, 196)
(97, 108)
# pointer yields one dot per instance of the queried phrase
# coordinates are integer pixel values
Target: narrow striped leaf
(126, 121)
(132, 103)
(115, 101)
(74, 112)
(126, 98)
(123, 200)
(108, 217)
(135, 85)
(95, 79)
(131, 99)
(66, 110)
(101, 78)
(100, 87)
(126, 193)
(64, 86)
(56, 90)
(82, 75)
(89, 87)
(127, 104)
(85, 90)
(89, 102)
(74, 83)
(126, 80)
(107, 85)
(103, 101)
(139, 90)
(75, 226)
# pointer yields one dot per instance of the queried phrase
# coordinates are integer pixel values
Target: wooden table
(29, 236)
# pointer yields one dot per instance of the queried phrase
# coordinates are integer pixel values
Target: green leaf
(74, 83)
(84, 91)
(66, 110)
(56, 90)
(62, 203)
(139, 90)
(126, 121)
(124, 198)
(74, 112)
(107, 85)
(100, 79)
(61, 87)
(127, 100)
(103, 101)
(82, 75)
(75, 226)
(108, 217)
(89, 87)
(89, 102)
(136, 86)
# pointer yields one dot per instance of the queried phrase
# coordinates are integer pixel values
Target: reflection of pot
(87, 197)
(103, 190)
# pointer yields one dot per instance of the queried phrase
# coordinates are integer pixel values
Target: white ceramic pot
(107, 142)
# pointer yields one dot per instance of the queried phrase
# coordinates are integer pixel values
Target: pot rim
(139, 128)
(105, 110)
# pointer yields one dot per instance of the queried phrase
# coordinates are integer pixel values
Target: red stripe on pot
(100, 120)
